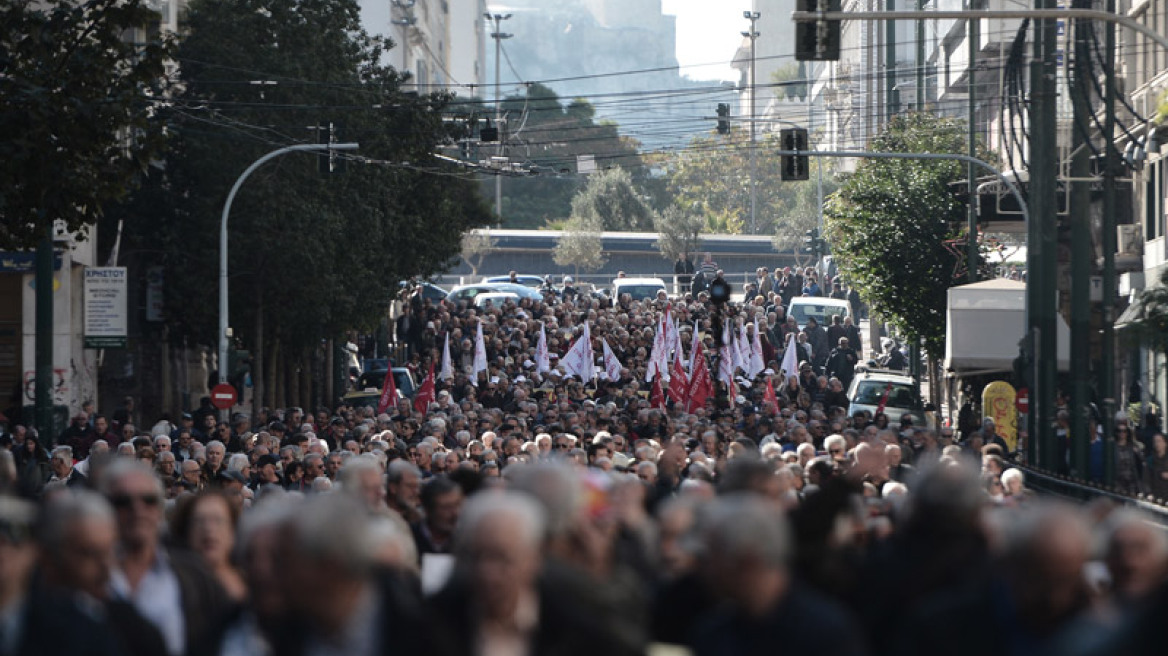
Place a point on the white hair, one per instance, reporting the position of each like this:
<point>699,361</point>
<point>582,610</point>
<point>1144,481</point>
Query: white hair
<point>489,507</point>
<point>67,510</point>
<point>322,484</point>
<point>237,462</point>
<point>893,489</point>
<point>1012,474</point>
<point>835,440</point>
<point>740,525</point>
<point>66,451</point>
<point>335,528</point>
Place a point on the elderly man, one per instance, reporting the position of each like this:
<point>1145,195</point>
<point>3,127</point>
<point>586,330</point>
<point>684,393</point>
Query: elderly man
<point>495,603</point>
<point>171,589</point>
<point>61,464</point>
<point>441,500</point>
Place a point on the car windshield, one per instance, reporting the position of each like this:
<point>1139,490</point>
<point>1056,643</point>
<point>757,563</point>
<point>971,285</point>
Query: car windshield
<point>639,292</point>
<point>822,313</point>
<point>376,379</point>
<point>900,395</point>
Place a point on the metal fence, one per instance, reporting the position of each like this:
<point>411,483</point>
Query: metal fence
<point>1074,489</point>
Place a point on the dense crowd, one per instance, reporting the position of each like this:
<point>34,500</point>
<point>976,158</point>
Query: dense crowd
<point>511,509</point>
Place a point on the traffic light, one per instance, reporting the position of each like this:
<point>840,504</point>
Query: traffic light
<point>489,133</point>
<point>814,245</point>
<point>793,167</point>
<point>818,40</point>
<point>723,118</point>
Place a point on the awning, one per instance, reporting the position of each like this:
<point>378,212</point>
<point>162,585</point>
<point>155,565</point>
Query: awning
<point>1133,313</point>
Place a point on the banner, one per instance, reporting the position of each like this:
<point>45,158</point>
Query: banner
<point>388,393</point>
<point>997,403</point>
<point>480,356</point>
<point>447,371</point>
<point>425,395</point>
<point>106,309</point>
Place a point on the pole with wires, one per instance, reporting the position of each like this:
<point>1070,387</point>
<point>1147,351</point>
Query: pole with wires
<point>753,17</point>
<point>498,36</point>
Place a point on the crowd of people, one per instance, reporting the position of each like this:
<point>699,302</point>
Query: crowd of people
<point>516,510</point>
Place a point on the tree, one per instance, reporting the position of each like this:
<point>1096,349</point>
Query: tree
<point>791,80</point>
<point>802,215</point>
<point>312,253</point>
<point>76,106</point>
<point>711,178</point>
<point>1150,330</point>
<point>678,233</point>
<point>547,135</point>
<point>888,223</point>
<point>610,201</point>
<point>580,246</point>
<point>477,244</point>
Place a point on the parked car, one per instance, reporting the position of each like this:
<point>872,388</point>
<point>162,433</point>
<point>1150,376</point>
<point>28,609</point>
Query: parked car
<point>823,309</point>
<point>469,292</point>
<point>639,288</point>
<point>374,378</point>
<point>870,386</point>
<point>527,281</point>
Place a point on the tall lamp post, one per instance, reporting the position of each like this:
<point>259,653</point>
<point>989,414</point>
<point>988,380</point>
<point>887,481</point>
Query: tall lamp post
<point>753,17</point>
<point>224,331</point>
<point>498,36</point>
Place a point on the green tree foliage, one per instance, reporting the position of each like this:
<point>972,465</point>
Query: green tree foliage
<point>547,136</point>
<point>610,201</point>
<point>678,233</point>
<point>76,99</point>
<point>711,178</point>
<point>580,246</point>
<point>792,78</point>
<point>888,223</point>
<point>802,213</point>
<point>477,244</point>
<point>1151,329</point>
<point>315,253</point>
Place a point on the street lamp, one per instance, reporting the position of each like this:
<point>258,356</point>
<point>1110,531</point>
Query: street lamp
<point>224,330</point>
<point>498,36</point>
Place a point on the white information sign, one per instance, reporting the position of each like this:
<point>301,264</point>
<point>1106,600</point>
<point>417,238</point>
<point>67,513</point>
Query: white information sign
<point>106,307</point>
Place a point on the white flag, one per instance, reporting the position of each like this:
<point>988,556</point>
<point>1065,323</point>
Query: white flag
<point>480,356</point>
<point>612,366</point>
<point>742,350</point>
<point>757,364</point>
<point>447,370</point>
<point>726,358</point>
<point>579,360</point>
<point>659,356</point>
<point>790,364</point>
<point>542,362</point>
<point>695,348</point>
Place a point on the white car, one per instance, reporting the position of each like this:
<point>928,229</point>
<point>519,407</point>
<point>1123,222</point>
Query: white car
<point>639,288</point>
<point>820,307</point>
<point>900,394</point>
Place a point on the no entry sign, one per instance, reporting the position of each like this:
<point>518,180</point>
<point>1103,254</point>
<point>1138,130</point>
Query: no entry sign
<point>223,396</point>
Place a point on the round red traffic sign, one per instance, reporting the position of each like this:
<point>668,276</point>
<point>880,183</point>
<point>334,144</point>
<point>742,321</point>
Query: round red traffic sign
<point>1022,400</point>
<point>223,396</point>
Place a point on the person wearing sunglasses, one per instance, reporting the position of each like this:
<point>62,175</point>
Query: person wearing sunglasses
<point>170,589</point>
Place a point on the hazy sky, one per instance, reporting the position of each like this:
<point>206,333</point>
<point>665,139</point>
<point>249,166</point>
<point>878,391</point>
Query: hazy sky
<point>708,32</point>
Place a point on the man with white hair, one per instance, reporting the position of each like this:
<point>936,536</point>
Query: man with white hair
<point>61,464</point>
<point>496,602</point>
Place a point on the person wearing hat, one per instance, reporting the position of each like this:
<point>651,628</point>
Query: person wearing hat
<point>267,472</point>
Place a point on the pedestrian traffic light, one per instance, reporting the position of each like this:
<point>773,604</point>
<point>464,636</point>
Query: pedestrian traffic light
<point>723,118</point>
<point>818,40</point>
<point>793,166</point>
<point>813,244</point>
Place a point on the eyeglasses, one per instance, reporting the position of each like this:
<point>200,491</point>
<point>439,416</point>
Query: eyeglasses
<point>124,501</point>
<point>561,446</point>
<point>835,451</point>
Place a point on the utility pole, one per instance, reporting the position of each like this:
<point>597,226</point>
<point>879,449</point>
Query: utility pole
<point>921,59</point>
<point>1110,161</point>
<point>1041,262</point>
<point>753,17</point>
<point>893,96</point>
<point>971,254</point>
<point>498,36</point>
<point>1080,217</point>
<point>43,358</point>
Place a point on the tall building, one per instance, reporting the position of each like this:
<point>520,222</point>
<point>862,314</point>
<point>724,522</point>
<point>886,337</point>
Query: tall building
<point>440,43</point>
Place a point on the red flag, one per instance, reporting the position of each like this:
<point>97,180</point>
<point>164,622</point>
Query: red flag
<point>884,399</point>
<point>770,398</point>
<point>678,382</point>
<point>388,393</point>
<point>425,395</point>
<point>656,397</point>
<point>701,386</point>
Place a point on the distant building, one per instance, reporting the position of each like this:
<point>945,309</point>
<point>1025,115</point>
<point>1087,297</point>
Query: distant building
<point>440,43</point>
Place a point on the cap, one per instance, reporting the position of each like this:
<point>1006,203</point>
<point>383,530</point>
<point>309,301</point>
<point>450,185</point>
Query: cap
<point>187,415</point>
<point>228,475</point>
<point>267,459</point>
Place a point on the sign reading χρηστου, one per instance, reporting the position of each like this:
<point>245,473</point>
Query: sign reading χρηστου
<point>106,308</point>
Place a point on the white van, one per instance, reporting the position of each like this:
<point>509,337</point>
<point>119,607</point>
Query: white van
<point>820,307</point>
<point>639,288</point>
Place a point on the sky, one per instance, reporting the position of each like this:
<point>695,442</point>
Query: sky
<point>708,32</point>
